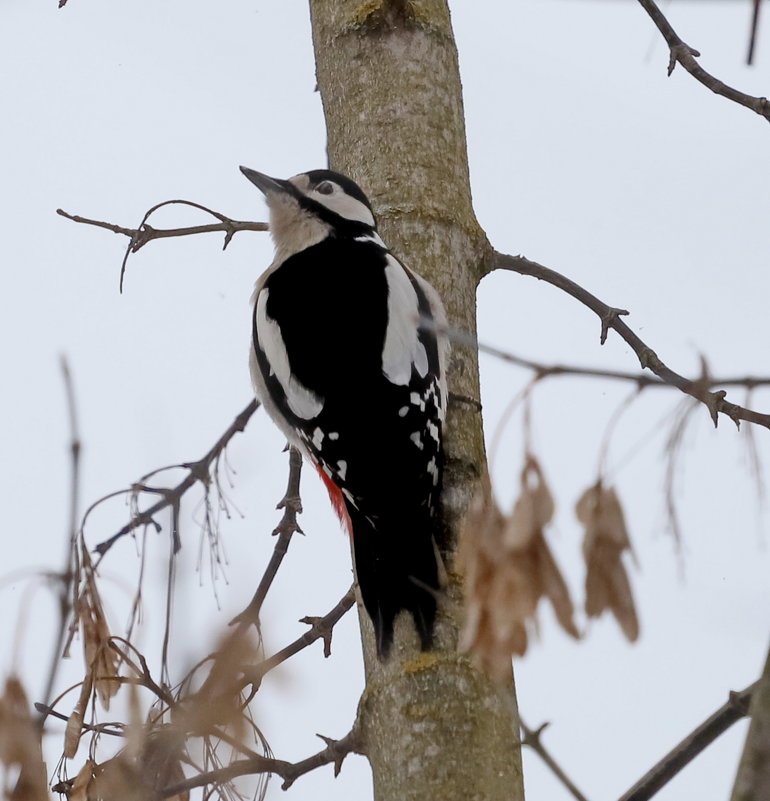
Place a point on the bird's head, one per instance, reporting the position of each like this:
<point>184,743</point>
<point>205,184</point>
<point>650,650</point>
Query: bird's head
<point>307,208</point>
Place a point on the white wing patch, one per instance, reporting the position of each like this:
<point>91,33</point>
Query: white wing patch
<point>372,237</point>
<point>300,399</point>
<point>402,349</point>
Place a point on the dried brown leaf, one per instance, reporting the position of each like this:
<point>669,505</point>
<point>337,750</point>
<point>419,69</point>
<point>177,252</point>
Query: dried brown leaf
<point>162,757</point>
<point>118,779</point>
<point>100,659</point>
<point>533,509</point>
<point>75,721</point>
<point>600,512</point>
<point>218,702</point>
<point>20,745</point>
<point>72,732</point>
<point>606,537</point>
<point>555,589</point>
<point>83,782</point>
<point>508,568</point>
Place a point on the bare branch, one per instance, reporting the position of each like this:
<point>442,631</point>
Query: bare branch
<point>145,233</point>
<point>736,707</point>
<point>714,401</point>
<point>321,628</point>
<point>686,56</point>
<point>532,739</point>
<point>291,503</point>
<point>642,380</point>
<point>198,472</point>
<point>334,753</point>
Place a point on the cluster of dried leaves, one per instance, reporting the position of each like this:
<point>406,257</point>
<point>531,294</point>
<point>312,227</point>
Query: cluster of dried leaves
<point>169,736</point>
<point>187,725</point>
<point>508,568</point>
<point>158,744</point>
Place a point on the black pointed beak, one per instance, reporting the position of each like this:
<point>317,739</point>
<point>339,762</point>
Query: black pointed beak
<point>265,183</point>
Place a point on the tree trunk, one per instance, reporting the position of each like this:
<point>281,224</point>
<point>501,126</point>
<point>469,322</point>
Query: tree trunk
<point>434,727</point>
<point>753,780</point>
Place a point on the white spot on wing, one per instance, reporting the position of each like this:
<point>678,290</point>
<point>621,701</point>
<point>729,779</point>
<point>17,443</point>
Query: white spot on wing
<point>372,237</point>
<point>342,469</point>
<point>403,411</point>
<point>417,439</point>
<point>433,470</point>
<point>334,435</point>
<point>318,438</point>
<point>433,431</point>
<point>349,495</point>
<point>300,399</point>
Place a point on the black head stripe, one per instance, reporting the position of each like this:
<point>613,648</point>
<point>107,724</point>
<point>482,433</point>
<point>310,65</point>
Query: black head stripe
<point>350,187</point>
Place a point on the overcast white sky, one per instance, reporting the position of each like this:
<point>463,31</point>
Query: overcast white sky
<point>649,191</point>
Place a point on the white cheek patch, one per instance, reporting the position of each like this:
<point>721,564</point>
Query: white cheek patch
<point>301,401</point>
<point>345,205</point>
<point>403,349</point>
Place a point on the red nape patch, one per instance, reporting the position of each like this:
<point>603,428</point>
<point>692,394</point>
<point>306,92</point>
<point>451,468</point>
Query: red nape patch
<point>338,502</point>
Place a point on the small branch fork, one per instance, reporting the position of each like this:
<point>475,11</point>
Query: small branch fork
<point>715,401</point>
<point>199,471</point>
<point>735,708</point>
<point>320,629</point>
<point>532,739</point>
<point>686,56</point>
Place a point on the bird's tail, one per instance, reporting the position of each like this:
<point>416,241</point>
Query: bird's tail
<point>397,568</point>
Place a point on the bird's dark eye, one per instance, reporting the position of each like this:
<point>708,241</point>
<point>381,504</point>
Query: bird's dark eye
<point>325,188</point>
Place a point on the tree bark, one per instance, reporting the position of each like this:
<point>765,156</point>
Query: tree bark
<point>433,726</point>
<point>753,780</point>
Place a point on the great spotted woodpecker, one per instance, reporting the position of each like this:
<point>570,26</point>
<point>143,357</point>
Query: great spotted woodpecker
<point>348,358</point>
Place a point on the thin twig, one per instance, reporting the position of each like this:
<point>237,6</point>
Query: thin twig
<point>753,33</point>
<point>68,578</point>
<point>715,402</point>
<point>198,471</point>
<point>681,53</point>
<point>642,380</point>
<point>736,707</point>
<point>114,729</point>
<point>334,753</point>
<point>532,739</point>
